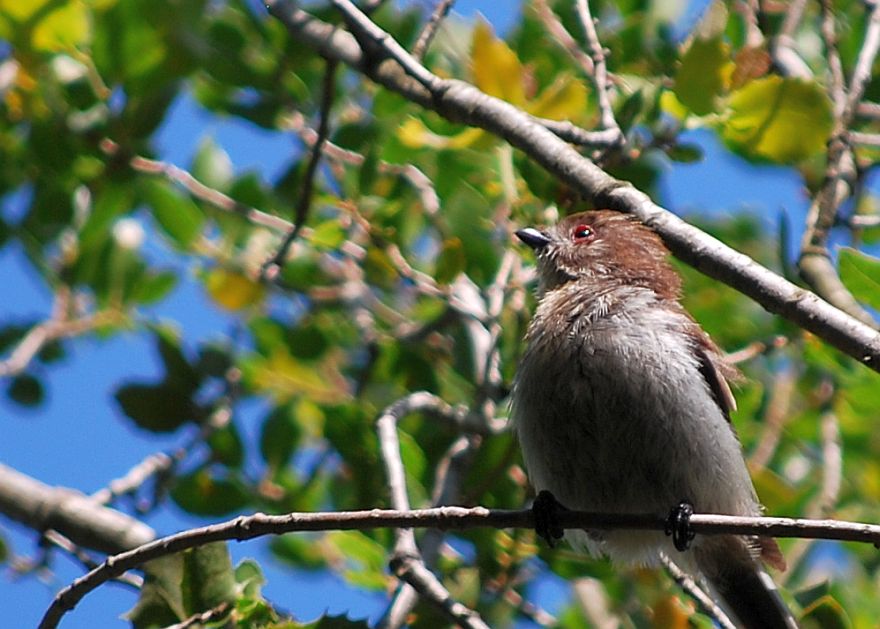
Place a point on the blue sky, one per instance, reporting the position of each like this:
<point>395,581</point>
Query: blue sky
<point>77,438</point>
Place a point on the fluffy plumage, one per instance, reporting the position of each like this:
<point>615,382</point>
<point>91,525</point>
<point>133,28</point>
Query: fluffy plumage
<point>621,404</point>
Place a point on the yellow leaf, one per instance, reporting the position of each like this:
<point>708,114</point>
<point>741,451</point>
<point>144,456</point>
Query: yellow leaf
<point>19,10</point>
<point>283,376</point>
<point>670,104</point>
<point>233,290</point>
<point>778,119</point>
<point>414,134</point>
<point>565,99</point>
<point>496,69</point>
<point>64,28</point>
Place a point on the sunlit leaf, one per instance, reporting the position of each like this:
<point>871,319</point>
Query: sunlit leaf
<point>365,558</point>
<point>177,215</point>
<point>564,99</point>
<point>283,376</point>
<point>778,119</point>
<point>861,275</point>
<point>495,67</point>
<point>212,165</point>
<point>703,75</point>
<point>233,290</point>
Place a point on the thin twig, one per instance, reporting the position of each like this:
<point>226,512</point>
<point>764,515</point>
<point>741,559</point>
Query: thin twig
<point>304,201</point>
<point>361,25</point>
<point>687,583</point>
<point>865,139</point>
<point>777,414</point>
<point>430,29</point>
<point>782,46</point>
<point>600,74</point>
<point>257,525</point>
<point>562,37</point>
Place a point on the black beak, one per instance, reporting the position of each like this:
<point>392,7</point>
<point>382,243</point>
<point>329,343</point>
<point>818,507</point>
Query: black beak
<point>533,238</point>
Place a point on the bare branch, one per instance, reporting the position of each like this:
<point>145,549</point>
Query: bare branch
<point>782,48</point>
<point>687,583</point>
<point>600,74</point>
<point>76,516</point>
<point>841,174</point>
<point>407,562</point>
<point>430,29</point>
<point>777,414</point>
<point>57,327</point>
<point>304,202</point>
<point>447,518</point>
<point>562,37</point>
<point>461,102</point>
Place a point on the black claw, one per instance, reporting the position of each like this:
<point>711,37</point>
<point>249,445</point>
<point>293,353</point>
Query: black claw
<point>679,525</point>
<point>546,511</point>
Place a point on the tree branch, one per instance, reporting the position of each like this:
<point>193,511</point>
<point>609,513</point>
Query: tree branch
<point>446,518</point>
<point>76,516</point>
<point>461,102</point>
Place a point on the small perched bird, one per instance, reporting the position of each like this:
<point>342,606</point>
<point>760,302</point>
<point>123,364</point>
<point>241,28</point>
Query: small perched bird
<point>622,405</point>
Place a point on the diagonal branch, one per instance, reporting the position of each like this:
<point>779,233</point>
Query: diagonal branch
<point>430,29</point>
<point>304,202</point>
<point>461,102</point>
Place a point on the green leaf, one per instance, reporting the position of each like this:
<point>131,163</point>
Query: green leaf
<point>177,215</point>
<point>212,166</point>
<point>156,407</point>
<point>365,558</point>
<point>825,613</point>
<point>279,437</point>
<point>702,76</point>
<point>327,235</point>
<point>861,275</point>
<point>336,622</point>
<point>226,446</point>
<point>777,119</point>
<point>451,261</point>
<point>179,373</point>
<point>685,153</point>
<point>201,493</point>
<point>249,578</point>
<point>26,390</point>
<point>111,202</point>
<point>208,578</point>
<point>161,599</point>
<point>153,287</point>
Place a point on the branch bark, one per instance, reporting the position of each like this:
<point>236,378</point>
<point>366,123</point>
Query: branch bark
<point>461,102</point>
<point>446,518</point>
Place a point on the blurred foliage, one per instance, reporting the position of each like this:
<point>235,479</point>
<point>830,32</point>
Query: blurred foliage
<point>386,292</point>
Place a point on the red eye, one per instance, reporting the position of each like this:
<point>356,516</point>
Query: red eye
<point>582,232</point>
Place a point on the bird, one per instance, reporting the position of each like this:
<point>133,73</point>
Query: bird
<point>621,403</point>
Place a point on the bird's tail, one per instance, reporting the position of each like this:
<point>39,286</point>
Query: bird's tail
<point>746,589</point>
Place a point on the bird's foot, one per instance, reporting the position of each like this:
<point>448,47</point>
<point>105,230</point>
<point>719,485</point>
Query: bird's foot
<point>546,511</point>
<point>678,525</point>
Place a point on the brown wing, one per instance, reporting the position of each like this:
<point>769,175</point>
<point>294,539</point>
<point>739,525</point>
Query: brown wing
<point>715,372</point>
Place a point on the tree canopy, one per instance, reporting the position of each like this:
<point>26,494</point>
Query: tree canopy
<point>377,302</point>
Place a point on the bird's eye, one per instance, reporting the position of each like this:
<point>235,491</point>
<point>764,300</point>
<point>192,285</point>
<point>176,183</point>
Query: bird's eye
<point>582,232</point>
